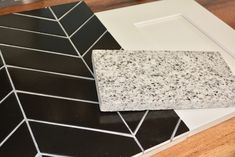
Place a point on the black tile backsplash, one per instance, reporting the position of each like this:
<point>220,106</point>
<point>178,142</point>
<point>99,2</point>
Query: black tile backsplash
<point>88,34</point>
<point>54,84</point>
<point>5,86</point>
<point>79,14</point>
<point>1,63</point>
<point>31,24</point>
<point>78,142</point>
<point>19,144</point>
<point>70,112</point>
<point>105,42</point>
<point>181,129</point>
<point>60,10</point>
<point>61,121</point>
<point>157,128</point>
<point>132,118</point>
<point>10,116</point>
<point>36,41</point>
<point>43,13</point>
<point>51,62</point>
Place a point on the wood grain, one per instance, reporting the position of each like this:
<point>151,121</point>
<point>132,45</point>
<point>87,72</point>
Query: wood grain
<point>218,141</point>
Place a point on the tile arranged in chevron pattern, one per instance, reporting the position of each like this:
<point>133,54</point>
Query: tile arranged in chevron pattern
<point>48,100</point>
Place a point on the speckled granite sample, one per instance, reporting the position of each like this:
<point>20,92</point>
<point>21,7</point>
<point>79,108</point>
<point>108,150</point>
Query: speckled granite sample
<point>153,80</point>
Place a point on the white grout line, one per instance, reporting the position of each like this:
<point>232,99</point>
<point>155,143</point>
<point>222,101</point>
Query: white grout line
<point>69,10</point>
<point>175,130</point>
<point>1,68</point>
<point>54,155</point>
<point>123,120</point>
<point>39,50</point>
<point>38,155</point>
<point>138,143</point>
<point>19,103</point>
<point>50,72</point>
<point>81,128</point>
<point>57,97</point>
<point>136,140</point>
<point>3,99</point>
<point>35,32</point>
<point>81,26</point>
<point>36,17</point>
<point>11,133</point>
<point>141,121</point>
<point>71,41</point>
<point>94,43</point>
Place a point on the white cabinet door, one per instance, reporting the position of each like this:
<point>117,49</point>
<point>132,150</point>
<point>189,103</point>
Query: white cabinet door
<point>175,25</point>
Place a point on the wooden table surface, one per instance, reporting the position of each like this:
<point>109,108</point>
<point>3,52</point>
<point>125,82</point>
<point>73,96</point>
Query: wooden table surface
<point>218,141</point>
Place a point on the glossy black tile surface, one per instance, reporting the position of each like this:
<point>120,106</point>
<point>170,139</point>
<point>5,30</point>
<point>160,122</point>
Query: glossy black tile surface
<point>54,84</point>
<point>1,63</point>
<point>31,24</point>
<point>36,41</point>
<point>60,10</point>
<point>53,139</point>
<point>79,14</point>
<point>182,129</point>
<point>70,112</point>
<point>101,133</point>
<point>10,116</point>
<point>19,144</point>
<point>44,61</point>
<point>5,86</point>
<point>43,13</point>
<point>157,128</point>
<point>106,42</point>
<point>132,118</point>
<point>88,34</point>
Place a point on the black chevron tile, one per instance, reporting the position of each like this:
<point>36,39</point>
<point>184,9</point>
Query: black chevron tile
<point>77,142</point>
<point>44,13</point>
<point>1,63</point>
<point>31,24</point>
<point>88,34</point>
<point>5,86</point>
<point>181,129</point>
<point>44,61</point>
<point>74,19</point>
<point>19,144</point>
<point>106,42</point>
<point>133,118</point>
<point>54,84</point>
<point>60,10</point>
<point>157,128</point>
<point>10,116</point>
<point>36,41</point>
<point>70,112</point>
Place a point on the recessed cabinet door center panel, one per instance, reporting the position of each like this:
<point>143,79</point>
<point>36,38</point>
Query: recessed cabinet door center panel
<point>173,33</point>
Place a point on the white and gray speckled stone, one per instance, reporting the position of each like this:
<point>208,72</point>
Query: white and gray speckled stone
<point>155,80</point>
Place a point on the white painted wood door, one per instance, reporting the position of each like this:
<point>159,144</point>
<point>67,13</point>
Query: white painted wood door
<point>175,25</point>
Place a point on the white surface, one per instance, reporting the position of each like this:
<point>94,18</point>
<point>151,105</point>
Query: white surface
<point>175,25</point>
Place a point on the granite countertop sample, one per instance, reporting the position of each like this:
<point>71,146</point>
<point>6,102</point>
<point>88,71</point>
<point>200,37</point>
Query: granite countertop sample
<point>155,80</point>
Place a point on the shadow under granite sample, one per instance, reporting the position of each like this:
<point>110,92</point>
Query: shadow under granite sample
<point>153,80</point>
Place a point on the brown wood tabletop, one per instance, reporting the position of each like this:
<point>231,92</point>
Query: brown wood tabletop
<point>218,141</point>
